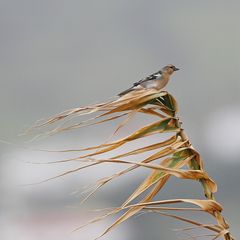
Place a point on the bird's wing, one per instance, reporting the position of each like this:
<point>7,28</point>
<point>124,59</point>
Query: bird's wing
<point>148,78</point>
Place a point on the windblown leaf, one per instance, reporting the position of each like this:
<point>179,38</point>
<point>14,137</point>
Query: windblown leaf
<point>207,205</point>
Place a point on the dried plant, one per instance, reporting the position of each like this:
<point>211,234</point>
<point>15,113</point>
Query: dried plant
<point>176,154</point>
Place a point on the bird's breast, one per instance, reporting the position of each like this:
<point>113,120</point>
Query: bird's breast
<point>161,83</point>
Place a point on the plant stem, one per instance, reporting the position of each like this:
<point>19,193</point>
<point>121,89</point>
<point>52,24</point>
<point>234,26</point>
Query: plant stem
<point>194,164</point>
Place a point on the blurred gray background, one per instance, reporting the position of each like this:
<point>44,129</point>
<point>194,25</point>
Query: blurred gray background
<point>58,54</point>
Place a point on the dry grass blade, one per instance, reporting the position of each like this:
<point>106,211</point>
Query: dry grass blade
<point>97,219</point>
<point>155,209</point>
<point>206,205</point>
<point>66,173</point>
<point>209,227</point>
<point>167,142</point>
<point>86,123</point>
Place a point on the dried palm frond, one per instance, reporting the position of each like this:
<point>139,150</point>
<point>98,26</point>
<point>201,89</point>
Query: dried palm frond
<point>174,154</point>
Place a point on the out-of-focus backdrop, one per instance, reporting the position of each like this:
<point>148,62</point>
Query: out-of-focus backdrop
<point>56,55</point>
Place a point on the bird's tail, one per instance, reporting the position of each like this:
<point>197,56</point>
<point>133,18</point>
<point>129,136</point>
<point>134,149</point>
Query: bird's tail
<point>125,92</point>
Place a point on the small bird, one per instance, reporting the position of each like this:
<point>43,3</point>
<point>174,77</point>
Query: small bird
<point>156,80</point>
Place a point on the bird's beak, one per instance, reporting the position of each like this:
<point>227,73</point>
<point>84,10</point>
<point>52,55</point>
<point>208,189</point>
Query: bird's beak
<point>176,69</point>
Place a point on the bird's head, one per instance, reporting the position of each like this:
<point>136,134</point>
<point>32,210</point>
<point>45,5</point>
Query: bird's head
<point>169,69</point>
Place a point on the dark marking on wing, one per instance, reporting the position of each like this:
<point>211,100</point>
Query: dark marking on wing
<point>149,78</point>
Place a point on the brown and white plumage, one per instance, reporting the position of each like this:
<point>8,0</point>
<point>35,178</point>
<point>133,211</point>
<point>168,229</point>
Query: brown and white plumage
<point>156,80</point>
